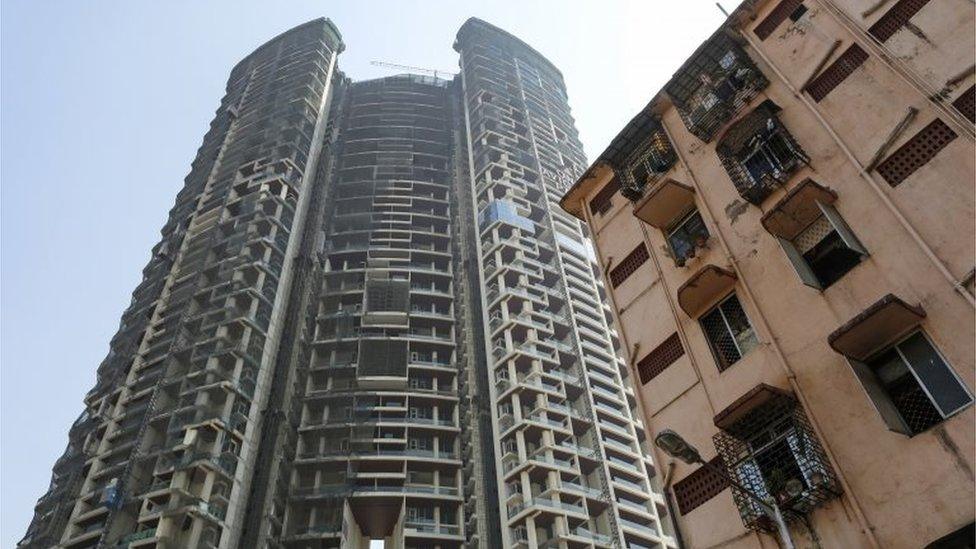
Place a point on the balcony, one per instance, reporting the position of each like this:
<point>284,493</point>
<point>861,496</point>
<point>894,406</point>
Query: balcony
<point>716,82</point>
<point>768,446</point>
<point>759,154</point>
<point>650,157</point>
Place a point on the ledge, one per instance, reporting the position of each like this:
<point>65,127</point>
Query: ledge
<point>704,288</point>
<point>664,203</point>
<point>875,328</point>
<point>795,211</point>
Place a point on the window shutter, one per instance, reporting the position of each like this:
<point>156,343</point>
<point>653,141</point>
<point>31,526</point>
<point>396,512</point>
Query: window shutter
<point>877,395</point>
<point>935,375</point>
<point>842,229</point>
<point>800,265</point>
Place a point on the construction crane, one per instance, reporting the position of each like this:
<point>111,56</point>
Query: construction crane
<point>395,66</point>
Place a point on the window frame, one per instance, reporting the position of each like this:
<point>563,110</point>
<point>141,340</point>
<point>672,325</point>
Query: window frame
<point>675,227</point>
<point>780,169</point>
<point>800,264</point>
<point>729,331</point>
<point>878,394</point>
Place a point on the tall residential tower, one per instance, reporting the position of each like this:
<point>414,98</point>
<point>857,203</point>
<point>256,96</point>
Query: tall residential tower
<point>367,319</point>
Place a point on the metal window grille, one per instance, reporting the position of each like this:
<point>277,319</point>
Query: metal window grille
<point>660,358</point>
<point>779,14</point>
<point>916,152</point>
<point>713,85</point>
<point>700,486</point>
<point>921,386</point>
<point>601,203</point>
<point>629,264</point>
<point>647,163</point>
<point>728,331</point>
<point>775,453</point>
<point>759,154</point>
<point>837,72</point>
<point>966,104</point>
<point>687,235</point>
<point>913,404</point>
<point>895,18</point>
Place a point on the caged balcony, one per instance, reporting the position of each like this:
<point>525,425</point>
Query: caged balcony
<point>769,446</point>
<point>759,154</point>
<point>651,157</point>
<point>716,82</point>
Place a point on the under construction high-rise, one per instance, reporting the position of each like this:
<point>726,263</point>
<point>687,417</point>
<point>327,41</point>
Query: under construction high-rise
<point>367,319</point>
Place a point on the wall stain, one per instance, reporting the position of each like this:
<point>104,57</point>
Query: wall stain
<point>953,450</point>
<point>734,209</point>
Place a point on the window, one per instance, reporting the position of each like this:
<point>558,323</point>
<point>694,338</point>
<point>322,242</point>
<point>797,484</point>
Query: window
<point>770,156</point>
<point>713,85</point>
<point>916,152</point>
<point>420,514</point>
<point>420,383</point>
<point>728,331</point>
<point>759,154</point>
<point>773,451</point>
<point>660,358</point>
<point>824,251</point>
<point>647,163</point>
<point>687,235</point>
<point>837,72</point>
<point>419,413</point>
<point>912,386</point>
<point>420,444</point>
<point>629,264</point>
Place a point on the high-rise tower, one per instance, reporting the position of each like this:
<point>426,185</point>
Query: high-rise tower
<point>570,460</point>
<point>165,447</point>
<point>367,319</point>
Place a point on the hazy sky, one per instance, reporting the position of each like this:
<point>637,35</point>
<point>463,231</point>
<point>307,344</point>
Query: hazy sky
<point>105,103</point>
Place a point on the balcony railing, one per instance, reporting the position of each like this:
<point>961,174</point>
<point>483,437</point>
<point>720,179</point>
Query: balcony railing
<point>716,82</point>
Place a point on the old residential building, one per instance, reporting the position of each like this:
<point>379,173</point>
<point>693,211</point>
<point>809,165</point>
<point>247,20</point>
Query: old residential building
<point>367,319</point>
<point>786,233</point>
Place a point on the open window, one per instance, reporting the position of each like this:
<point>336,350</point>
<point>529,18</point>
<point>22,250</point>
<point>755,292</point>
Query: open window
<point>716,82</point>
<point>905,377</point>
<point>759,154</point>
<point>816,239</point>
<point>652,157</point>
<point>728,330</point>
<point>769,446</point>
<point>686,236</point>
<point>912,386</point>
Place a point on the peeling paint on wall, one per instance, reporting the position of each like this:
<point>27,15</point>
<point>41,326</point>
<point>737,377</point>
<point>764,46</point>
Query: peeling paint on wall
<point>734,209</point>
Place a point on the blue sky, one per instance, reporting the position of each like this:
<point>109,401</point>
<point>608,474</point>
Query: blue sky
<point>104,104</point>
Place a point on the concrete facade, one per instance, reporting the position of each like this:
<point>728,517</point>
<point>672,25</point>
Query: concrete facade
<point>850,148</point>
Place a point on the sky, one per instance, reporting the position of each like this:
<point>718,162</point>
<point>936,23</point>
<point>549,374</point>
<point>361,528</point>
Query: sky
<point>104,103</point>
